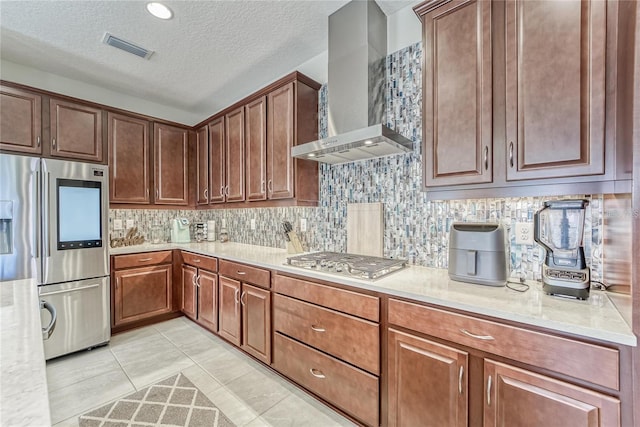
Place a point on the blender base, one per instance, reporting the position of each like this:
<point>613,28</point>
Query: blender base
<point>562,291</point>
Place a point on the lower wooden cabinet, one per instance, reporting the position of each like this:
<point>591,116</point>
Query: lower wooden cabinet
<point>142,293</point>
<point>245,317</point>
<point>200,289</point>
<point>517,397</point>
<point>427,382</point>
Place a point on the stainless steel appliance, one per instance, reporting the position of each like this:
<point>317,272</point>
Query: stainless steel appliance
<point>356,266</point>
<point>558,228</point>
<point>478,254</point>
<point>54,229</point>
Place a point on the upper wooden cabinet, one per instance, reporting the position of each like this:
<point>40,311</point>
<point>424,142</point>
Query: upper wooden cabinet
<point>202,166</point>
<point>76,131</point>
<point>216,164</point>
<point>128,159</point>
<point>20,120</point>
<point>250,143</point>
<point>555,88</point>
<point>171,147</point>
<point>528,100</point>
<point>256,147</point>
<point>457,99</point>
<point>234,155</point>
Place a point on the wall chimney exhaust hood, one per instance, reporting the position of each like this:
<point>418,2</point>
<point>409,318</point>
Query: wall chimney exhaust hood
<point>357,55</point>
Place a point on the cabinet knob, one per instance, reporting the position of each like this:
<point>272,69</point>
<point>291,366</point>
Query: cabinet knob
<point>511,154</point>
<point>317,373</point>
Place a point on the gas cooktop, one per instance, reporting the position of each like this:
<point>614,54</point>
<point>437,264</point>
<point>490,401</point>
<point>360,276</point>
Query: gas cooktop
<point>358,266</point>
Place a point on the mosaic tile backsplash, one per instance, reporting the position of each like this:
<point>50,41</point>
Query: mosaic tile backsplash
<point>415,228</point>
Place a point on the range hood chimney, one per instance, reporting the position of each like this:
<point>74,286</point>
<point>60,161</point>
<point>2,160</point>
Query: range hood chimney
<point>357,55</point>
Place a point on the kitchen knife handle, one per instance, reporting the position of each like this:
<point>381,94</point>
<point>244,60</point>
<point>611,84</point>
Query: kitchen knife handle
<point>511,154</point>
<point>46,332</point>
<point>460,379</point>
<point>479,337</point>
<point>489,391</point>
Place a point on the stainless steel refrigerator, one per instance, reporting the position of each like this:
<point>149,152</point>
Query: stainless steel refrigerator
<point>53,228</point>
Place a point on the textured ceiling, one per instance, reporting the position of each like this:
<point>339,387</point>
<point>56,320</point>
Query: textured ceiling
<point>211,53</point>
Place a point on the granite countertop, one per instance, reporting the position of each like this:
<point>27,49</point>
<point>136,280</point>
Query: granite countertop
<point>598,317</point>
<point>23,383</point>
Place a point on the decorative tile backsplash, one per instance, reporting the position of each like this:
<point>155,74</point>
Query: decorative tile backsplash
<point>415,228</point>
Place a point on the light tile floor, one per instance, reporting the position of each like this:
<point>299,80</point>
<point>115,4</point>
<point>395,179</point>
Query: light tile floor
<point>247,392</point>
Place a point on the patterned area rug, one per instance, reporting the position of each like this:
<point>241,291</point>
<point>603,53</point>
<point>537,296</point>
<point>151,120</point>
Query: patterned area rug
<point>172,402</point>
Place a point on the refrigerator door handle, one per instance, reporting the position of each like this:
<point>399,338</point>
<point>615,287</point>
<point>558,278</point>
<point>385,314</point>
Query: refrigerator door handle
<point>38,202</point>
<point>46,332</point>
<point>66,291</point>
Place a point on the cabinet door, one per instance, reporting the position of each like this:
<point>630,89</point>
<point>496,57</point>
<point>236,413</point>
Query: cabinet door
<point>189,291</point>
<point>128,159</point>
<point>555,88</point>
<point>202,166</point>
<point>76,131</point>
<point>20,121</point>
<point>256,146</point>
<point>280,140</point>
<point>141,293</point>
<point>208,299</point>
<point>515,397</point>
<point>457,94</point>
<point>216,161</point>
<point>234,155</point>
<point>229,325</point>
<point>256,322</point>
<point>170,147</point>
<point>427,382</point>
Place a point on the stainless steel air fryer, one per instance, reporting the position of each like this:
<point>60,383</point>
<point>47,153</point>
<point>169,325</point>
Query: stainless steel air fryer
<point>558,228</point>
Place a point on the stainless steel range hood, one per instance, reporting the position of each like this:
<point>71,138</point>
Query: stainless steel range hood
<point>356,90</point>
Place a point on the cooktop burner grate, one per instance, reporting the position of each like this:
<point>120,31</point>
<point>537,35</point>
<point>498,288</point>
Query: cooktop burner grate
<point>360,266</point>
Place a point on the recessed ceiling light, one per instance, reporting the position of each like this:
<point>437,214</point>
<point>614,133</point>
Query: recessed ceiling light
<point>311,155</point>
<point>159,10</point>
<point>368,142</point>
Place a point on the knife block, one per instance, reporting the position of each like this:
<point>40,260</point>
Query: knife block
<point>293,245</point>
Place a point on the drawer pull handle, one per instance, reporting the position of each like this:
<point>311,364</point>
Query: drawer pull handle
<point>243,301</point>
<point>317,329</point>
<point>460,379</point>
<point>241,273</point>
<point>480,337</point>
<point>317,373</point>
<point>196,260</point>
<point>145,259</point>
<point>511,154</point>
<point>489,391</point>
<point>236,296</point>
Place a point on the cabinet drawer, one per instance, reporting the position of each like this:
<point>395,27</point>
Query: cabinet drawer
<point>244,273</point>
<point>351,339</point>
<point>360,305</point>
<point>599,365</point>
<point>141,259</point>
<point>200,261</point>
<point>348,388</point>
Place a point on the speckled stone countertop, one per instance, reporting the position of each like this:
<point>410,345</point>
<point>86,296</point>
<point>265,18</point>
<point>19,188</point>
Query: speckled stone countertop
<point>596,318</point>
<point>23,379</point>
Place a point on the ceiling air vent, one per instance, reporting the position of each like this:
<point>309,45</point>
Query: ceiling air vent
<point>114,41</point>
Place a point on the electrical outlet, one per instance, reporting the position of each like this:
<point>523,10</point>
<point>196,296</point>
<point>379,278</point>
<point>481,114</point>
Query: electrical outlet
<point>117,224</point>
<point>524,233</point>
<point>303,224</point>
<point>253,223</point>
<point>130,224</point>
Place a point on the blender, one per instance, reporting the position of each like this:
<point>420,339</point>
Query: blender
<point>558,228</point>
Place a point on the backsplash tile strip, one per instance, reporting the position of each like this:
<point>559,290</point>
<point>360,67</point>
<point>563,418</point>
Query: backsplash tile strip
<point>415,228</point>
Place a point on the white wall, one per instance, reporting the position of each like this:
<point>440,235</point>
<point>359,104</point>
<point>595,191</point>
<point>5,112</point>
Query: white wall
<point>29,76</point>
<point>403,28</point>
